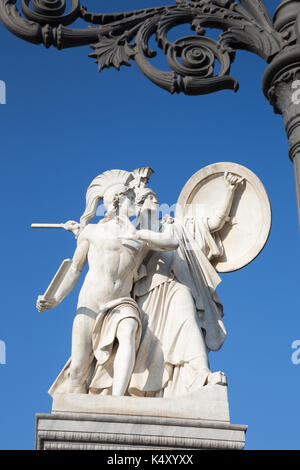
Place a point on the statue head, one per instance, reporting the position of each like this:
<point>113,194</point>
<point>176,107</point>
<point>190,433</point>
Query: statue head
<point>119,200</point>
<point>111,187</point>
<point>146,203</point>
<point>146,199</point>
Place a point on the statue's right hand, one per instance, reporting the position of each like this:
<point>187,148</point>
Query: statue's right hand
<point>72,226</point>
<point>43,304</point>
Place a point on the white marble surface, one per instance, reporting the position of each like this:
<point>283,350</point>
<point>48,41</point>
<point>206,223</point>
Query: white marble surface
<point>149,288</point>
<point>207,403</point>
<point>249,222</point>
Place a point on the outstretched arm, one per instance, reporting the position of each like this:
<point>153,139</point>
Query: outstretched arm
<point>217,220</point>
<point>70,280</point>
<point>157,241</point>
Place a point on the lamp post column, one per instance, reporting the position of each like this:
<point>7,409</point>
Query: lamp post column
<point>281,81</point>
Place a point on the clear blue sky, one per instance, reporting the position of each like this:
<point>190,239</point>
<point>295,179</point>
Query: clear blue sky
<point>63,124</point>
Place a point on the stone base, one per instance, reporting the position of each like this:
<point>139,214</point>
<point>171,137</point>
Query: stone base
<point>207,403</point>
<point>199,420</point>
<point>79,431</point>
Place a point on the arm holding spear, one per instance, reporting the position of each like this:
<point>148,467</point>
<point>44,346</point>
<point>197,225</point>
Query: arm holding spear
<point>70,225</point>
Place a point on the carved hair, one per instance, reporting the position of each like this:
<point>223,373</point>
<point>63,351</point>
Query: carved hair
<point>112,209</point>
<point>109,185</point>
<point>142,194</point>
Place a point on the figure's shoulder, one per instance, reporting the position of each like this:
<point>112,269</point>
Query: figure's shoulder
<point>87,232</point>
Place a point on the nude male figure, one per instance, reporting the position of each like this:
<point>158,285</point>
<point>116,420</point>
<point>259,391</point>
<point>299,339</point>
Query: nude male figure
<point>112,265</point>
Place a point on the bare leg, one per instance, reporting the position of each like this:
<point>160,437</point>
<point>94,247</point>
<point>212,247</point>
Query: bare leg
<point>82,352</point>
<point>125,356</point>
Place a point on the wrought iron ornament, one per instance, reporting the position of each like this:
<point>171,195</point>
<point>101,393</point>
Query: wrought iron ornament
<point>117,38</point>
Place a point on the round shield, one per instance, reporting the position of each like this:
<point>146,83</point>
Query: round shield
<point>246,231</point>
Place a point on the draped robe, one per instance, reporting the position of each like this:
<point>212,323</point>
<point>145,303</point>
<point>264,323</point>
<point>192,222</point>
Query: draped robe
<point>177,299</point>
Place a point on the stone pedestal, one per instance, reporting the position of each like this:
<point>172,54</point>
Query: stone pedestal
<point>199,420</point>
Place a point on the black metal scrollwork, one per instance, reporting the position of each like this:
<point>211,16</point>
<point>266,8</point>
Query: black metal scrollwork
<point>50,11</point>
<point>192,59</point>
<point>117,38</point>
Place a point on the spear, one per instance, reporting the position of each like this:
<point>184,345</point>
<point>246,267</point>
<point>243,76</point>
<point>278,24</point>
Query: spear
<point>47,225</point>
<point>71,226</point>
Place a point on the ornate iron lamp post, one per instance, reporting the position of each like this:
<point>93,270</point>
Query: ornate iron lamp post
<point>118,38</point>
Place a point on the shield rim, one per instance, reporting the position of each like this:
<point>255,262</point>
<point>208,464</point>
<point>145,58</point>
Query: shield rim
<point>252,178</point>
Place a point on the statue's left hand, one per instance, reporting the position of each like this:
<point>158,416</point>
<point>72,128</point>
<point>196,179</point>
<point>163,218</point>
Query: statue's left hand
<point>43,304</point>
<point>232,181</point>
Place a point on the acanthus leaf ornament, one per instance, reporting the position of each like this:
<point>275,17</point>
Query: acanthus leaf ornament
<point>117,38</point>
<point>112,52</point>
